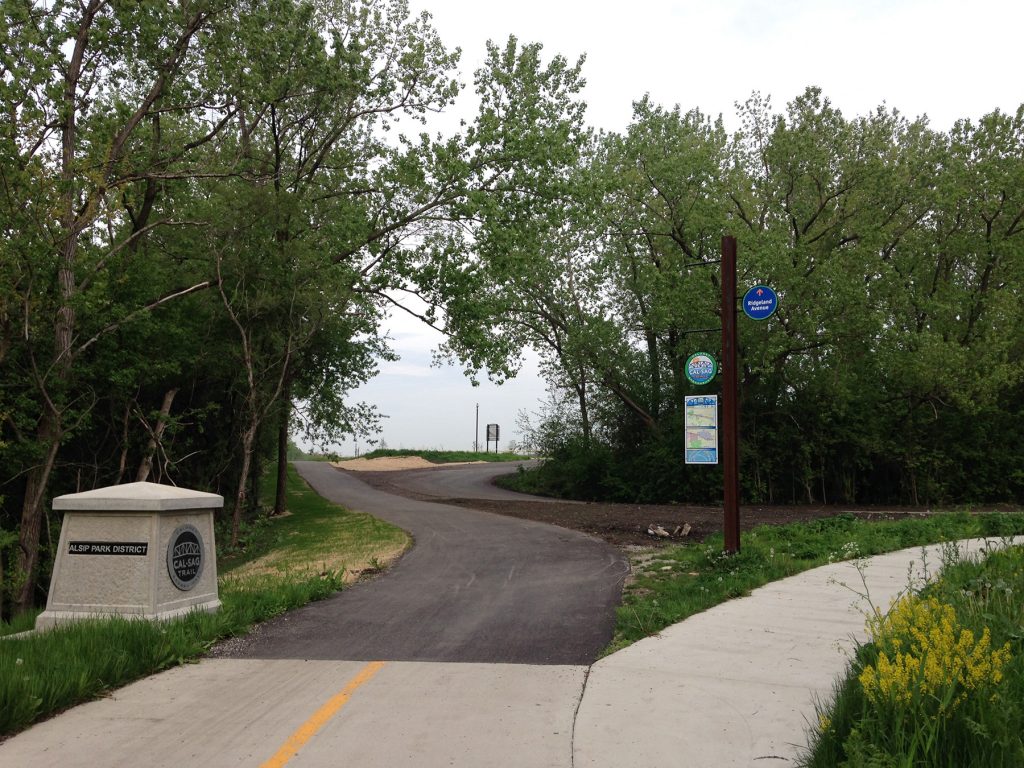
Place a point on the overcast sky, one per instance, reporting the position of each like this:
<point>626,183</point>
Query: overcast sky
<point>948,59</point>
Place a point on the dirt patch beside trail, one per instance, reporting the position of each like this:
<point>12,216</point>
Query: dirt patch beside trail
<point>627,524</point>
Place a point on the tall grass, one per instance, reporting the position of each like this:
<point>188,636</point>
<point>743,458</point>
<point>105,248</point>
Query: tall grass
<point>44,673</point>
<point>50,671</point>
<point>941,682</point>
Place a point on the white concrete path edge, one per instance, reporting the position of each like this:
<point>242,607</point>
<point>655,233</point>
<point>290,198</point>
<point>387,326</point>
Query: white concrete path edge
<point>737,684</point>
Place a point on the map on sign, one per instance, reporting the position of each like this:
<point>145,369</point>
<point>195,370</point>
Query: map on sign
<point>701,429</point>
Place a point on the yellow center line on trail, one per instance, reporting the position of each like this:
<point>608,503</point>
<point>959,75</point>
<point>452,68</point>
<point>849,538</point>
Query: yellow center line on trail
<point>319,719</point>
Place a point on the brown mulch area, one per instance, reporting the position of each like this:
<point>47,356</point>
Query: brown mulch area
<point>627,524</point>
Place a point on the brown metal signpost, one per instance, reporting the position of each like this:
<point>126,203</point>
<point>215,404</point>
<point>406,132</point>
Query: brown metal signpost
<point>730,399</point>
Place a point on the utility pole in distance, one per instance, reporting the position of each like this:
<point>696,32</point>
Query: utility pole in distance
<point>730,399</point>
<point>476,434</point>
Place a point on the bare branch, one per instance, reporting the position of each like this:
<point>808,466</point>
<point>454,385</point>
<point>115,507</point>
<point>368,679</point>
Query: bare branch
<point>142,310</point>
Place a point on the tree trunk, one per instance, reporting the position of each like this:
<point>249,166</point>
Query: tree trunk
<point>32,511</point>
<point>677,363</point>
<point>627,399</point>
<point>581,392</point>
<point>50,426</point>
<point>146,465</point>
<point>122,465</point>
<point>281,499</point>
<point>255,479</point>
<point>654,372</point>
<point>913,487</point>
<point>248,440</point>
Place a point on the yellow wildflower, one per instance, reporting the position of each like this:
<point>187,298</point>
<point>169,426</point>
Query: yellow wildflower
<point>923,652</point>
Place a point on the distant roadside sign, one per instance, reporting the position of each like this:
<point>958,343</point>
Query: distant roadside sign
<point>701,368</point>
<point>492,432</point>
<point>760,302</point>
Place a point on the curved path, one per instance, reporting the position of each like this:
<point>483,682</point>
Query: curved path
<point>731,687</point>
<point>463,481</point>
<point>475,587</point>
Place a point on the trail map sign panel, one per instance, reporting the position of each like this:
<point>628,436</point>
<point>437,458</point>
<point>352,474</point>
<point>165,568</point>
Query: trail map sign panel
<point>701,428</point>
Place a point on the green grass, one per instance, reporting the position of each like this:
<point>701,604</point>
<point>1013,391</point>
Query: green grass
<point>21,623</point>
<point>677,582</point>
<point>937,718</point>
<point>446,457</point>
<point>299,456</point>
<point>316,534</point>
<point>524,481</point>
<point>48,672</point>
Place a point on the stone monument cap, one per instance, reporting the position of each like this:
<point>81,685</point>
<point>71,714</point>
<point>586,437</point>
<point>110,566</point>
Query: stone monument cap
<point>138,497</point>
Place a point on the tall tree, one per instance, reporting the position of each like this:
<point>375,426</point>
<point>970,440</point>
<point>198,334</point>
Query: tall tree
<point>87,88</point>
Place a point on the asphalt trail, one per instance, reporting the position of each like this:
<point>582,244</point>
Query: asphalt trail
<point>463,481</point>
<point>476,587</point>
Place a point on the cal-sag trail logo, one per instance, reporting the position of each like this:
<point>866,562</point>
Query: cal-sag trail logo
<point>185,556</point>
<point>701,368</point>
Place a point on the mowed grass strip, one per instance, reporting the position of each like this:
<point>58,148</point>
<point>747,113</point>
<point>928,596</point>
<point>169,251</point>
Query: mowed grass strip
<point>317,536</point>
<point>302,557</point>
<point>445,457</point>
<point>670,584</point>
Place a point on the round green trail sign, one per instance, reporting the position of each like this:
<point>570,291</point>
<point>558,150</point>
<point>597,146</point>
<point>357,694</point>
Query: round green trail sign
<point>701,368</point>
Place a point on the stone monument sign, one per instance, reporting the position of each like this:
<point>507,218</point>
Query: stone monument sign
<point>138,550</point>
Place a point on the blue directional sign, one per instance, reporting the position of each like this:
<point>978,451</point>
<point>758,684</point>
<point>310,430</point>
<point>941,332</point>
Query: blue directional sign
<point>760,302</point>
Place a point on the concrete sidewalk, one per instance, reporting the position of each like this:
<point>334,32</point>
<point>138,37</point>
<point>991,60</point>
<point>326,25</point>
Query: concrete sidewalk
<point>736,685</point>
